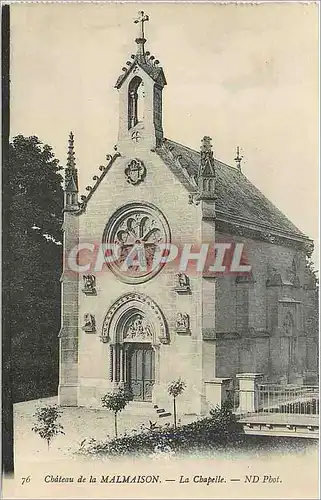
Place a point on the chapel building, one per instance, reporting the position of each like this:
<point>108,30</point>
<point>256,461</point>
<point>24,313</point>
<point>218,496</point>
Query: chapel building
<point>143,327</point>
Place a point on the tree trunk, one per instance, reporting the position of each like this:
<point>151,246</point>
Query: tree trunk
<point>48,443</point>
<point>116,434</point>
<point>174,404</point>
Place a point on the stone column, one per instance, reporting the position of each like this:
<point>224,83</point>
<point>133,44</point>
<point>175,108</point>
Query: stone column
<point>115,363</point>
<point>121,364</point>
<point>111,362</point>
<point>68,335</point>
<point>125,363</point>
<point>216,391</point>
<point>248,392</point>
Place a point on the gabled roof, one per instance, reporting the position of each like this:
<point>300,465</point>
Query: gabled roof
<point>148,64</point>
<point>236,197</point>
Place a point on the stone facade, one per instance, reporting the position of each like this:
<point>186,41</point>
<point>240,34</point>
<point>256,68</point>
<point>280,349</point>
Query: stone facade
<point>143,330</point>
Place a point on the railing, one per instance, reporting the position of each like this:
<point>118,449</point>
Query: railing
<point>273,398</point>
<point>300,400</point>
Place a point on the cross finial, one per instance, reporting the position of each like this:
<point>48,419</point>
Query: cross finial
<point>238,159</point>
<point>141,19</point>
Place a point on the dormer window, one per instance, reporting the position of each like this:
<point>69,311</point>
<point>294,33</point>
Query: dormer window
<point>135,102</point>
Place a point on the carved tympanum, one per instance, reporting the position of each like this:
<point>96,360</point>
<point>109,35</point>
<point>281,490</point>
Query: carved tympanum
<point>138,329</point>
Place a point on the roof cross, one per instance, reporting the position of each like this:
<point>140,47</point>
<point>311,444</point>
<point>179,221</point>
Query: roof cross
<point>141,19</point>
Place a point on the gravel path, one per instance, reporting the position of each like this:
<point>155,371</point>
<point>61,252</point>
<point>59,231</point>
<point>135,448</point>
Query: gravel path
<point>78,424</point>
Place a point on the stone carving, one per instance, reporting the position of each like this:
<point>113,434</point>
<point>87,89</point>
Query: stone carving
<point>182,323</point>
<point>139,329</point>
<point>182,283</point>
<point>270,238</point>
<point>135,136</point>
<point>137,300</point>
<point>308,248</point>
<point>89,284</point>
<point>194,199</point>
<point>89,323</point>
<point>135,172</point>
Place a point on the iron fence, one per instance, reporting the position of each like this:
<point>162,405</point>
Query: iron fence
<point>274,398</point>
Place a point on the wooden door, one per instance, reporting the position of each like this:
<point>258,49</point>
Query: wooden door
<point>141,372</point>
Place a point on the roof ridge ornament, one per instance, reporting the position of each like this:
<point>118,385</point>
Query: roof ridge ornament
<point>238,159</point>
<point>71,161</point>
<point>207,167</point>
<point>206,170</point>
<point>71,178</point>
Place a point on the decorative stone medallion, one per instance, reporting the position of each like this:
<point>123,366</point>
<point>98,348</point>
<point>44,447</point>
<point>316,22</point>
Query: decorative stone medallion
<point>135,172</point>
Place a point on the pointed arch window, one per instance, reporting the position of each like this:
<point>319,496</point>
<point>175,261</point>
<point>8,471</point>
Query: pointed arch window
<point>135,101</point>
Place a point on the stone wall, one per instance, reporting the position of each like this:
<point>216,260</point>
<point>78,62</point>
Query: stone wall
<point>250,330</point>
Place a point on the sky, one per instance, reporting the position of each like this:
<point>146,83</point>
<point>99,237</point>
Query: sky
<point>244,74</point>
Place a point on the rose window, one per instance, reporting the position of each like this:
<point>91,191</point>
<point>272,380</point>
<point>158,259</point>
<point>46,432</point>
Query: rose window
<point>136,231</point>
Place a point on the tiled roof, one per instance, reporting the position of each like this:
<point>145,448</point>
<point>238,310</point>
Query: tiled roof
<point>236,197</point>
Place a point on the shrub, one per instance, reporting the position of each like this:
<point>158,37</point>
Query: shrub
<point>176,388</point>
<point>115,401</point>
<point>210,432</point>
<point>46,423</point>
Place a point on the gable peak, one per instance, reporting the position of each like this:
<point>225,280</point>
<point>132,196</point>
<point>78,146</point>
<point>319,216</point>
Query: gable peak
<point>147,61</point>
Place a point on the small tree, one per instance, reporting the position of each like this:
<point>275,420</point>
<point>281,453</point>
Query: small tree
<point>46,423</point>
<point>115,401</point>
<point>176,388</point>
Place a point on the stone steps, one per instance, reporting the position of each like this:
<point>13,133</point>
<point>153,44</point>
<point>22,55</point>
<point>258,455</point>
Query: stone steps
<point>146,409</point>
<point>161,412</point>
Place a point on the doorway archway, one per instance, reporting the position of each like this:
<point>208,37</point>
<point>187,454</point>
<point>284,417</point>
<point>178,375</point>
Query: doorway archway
<point>135,328</point>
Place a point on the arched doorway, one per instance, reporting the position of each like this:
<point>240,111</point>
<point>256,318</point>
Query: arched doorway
<point>135,328</point>
<point>141,371</point>
<point>137,335</point>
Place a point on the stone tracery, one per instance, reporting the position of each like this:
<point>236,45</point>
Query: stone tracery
<point>137,229</point>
